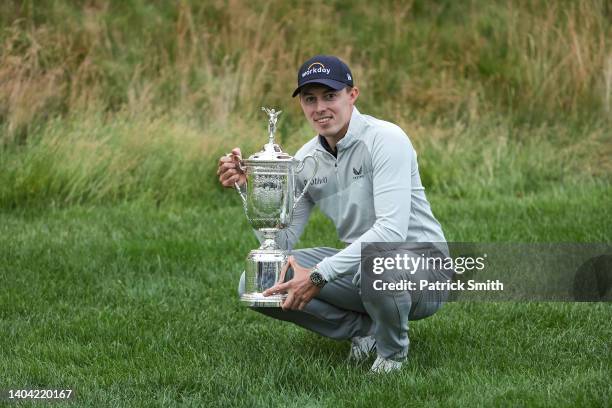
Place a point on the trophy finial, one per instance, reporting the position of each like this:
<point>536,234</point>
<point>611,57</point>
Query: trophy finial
<point>272,119</point>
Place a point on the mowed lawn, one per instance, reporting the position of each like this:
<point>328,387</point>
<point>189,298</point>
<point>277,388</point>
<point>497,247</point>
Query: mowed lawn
<point>136,305</point>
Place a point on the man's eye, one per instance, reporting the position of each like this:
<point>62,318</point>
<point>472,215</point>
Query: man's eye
<point>330,96</point>
<point>310,99</point>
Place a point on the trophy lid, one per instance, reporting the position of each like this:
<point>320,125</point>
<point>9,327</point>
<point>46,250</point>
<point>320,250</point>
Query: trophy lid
<point>271,151</point>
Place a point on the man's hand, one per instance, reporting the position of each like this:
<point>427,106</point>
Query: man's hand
<point>229,171</point>
<point>299,289</point>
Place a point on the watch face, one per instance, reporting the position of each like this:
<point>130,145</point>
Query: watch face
<point>317,279</point>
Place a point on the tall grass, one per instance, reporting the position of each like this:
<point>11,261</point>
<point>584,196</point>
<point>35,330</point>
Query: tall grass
<point>105,100</point>
<point>96,160</point>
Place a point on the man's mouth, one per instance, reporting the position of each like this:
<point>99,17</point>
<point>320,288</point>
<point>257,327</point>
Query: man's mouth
<point>323,120</point>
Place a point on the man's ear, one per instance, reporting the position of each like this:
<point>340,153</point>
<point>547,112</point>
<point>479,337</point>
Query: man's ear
<point>354,94</point>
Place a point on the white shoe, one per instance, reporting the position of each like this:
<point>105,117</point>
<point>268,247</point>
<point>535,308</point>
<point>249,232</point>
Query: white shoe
<point>362,347</point>
<point>383,365</point>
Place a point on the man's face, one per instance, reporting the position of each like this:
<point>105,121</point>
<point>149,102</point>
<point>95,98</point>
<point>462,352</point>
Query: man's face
<point>328,111</point>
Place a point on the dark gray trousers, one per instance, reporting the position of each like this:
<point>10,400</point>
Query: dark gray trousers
<point>340,312</point>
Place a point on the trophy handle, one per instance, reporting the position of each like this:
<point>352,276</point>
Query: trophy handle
<point>314,173</point>
<point>242,195</point>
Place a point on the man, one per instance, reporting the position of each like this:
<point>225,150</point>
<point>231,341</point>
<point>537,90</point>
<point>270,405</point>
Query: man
<point>368,184</point>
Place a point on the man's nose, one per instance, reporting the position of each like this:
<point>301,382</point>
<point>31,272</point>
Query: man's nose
<point>320,106</point>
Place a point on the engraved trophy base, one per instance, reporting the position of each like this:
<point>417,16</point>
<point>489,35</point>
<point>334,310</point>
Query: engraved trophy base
<point>257,299</point>
<point>263,270</point>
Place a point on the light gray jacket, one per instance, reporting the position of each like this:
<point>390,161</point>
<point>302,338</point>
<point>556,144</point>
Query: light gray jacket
<point>372,192</point>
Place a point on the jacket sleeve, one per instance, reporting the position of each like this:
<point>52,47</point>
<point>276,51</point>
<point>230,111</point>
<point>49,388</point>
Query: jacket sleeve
<point>393,162</point>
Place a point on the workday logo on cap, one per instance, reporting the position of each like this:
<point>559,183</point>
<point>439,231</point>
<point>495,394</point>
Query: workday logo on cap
<point>327,70</point>
<point>316,67</point>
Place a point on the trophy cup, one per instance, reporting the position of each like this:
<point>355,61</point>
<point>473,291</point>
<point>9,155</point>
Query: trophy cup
<point>269,202</point>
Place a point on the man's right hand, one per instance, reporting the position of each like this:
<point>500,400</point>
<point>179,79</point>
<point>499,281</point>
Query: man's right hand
<point>229,171</point>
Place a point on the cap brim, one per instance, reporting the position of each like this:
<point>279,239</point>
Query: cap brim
<point>337,85</point>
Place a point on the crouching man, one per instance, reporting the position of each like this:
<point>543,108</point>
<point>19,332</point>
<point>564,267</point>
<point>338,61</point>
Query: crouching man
<point>368,184</point>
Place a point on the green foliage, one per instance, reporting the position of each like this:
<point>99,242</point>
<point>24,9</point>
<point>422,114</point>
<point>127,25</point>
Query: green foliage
<point>108,101</point>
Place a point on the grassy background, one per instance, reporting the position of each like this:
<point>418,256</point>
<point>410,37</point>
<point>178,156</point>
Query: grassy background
<point>119,252</point>
<point>106,101</point>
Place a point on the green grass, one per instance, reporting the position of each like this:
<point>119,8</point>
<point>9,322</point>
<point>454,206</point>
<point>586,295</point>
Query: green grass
<point>136,305</point>
<point>96,160</point>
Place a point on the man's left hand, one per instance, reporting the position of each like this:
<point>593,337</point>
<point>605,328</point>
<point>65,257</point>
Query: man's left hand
<point>299,290</point>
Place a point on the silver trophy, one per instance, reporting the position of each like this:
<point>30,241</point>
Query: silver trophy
<point>269,201</point>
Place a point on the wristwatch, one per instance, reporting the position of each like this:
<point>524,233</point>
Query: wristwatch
<point>316,278</point>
